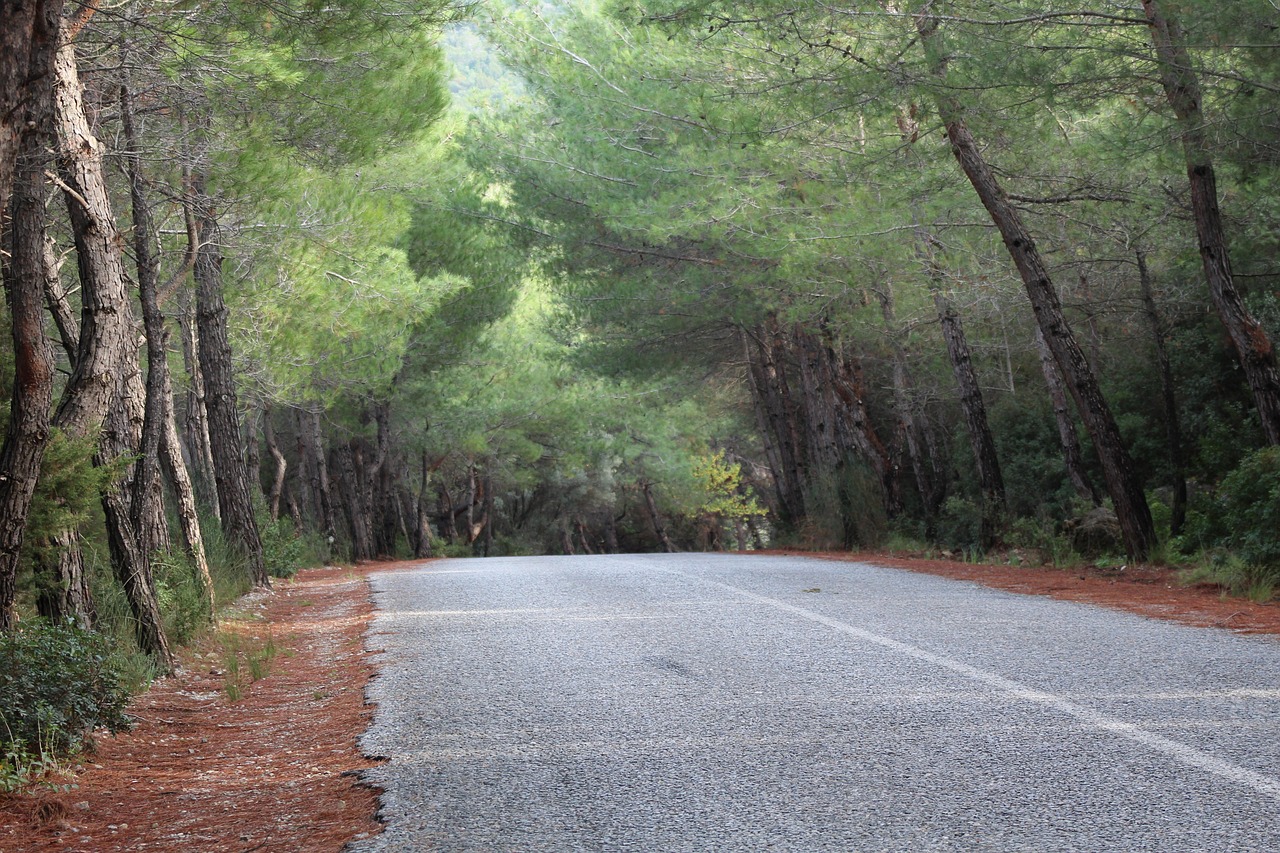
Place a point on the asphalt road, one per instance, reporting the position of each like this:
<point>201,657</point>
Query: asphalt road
<point>738,703</point>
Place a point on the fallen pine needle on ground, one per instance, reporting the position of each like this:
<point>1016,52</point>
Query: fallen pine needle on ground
<point>251,747</point>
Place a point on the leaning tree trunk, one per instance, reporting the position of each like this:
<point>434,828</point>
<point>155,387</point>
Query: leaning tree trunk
<point>188,512</point>
<point>231,476</point>
<point>104,389</point>
<point>659,529</point>
<point>129,560</point>
<point>148,489</point>
<point>1069,442</point>
<point>24,277</point>
<point>1168,396</point>
<point>1123,483</point>
<point>104,324</point>
<point>981,441</point>
<point>1253,345</point>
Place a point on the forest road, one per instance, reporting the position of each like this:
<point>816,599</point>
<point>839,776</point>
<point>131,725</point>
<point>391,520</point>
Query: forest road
<point>701,702</point>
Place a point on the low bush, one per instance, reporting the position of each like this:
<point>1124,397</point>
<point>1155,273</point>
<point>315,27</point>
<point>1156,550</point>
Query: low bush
<point>57,684</point>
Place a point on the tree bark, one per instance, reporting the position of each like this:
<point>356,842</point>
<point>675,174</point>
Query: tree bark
<point>148,489</point>
<point>231,476</point>
<point>317,460</point>
<point>188,512</point>
<point>908,412</point>
<point>197,417</point>
<point>24,280</point>
<point>1072,457</point>
<point>775,427</point>
<point>449,515</point>
<point>29,34</point>
<point>1253,345</point>
<point>281,465</point>
<point>659,529</point>
<point>105,389</point>
<point>1168,397</point>
<point>422,545</point>
<point>1123,484</point>
<point>974,407</point>
<point>105,324</point>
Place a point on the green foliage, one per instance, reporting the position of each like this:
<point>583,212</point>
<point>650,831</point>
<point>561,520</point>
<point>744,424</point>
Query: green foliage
<point>1041,536</point>
<point>67,493</point>
<point>960,524</point>
<point>285,550</point>
<point>846,510</point>
<point>1250,497</point>
<point>721,482</point>
<point>183,604</point>
<point>57,684</point>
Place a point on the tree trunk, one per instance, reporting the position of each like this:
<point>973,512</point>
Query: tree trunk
<point>350,465</point>
<point>282,465</point>
<point>24,277</point>
<point>253,451</point>
<point>380,488</point>
<point>659,529</point>
<point>1168,396</point>
<point>470,508</point>
<point>1067,438</point>
<point>489,519</point>
<point>105,323</point>
<point>566,542</point>
<point>55,298</point>
<point>422,546</point>
<point>188,512</point>
<point>310,433</point>
<point>584,536</point>
<point>908,419</point>
<point>981,441</point>
<point>231,476</point>
<point>29,34</point>
<point>111,391</point>
<point>197,417</point>
<point>449,515</point>
<point>611,533</point>
<point>1123,484</point>
<point>148,489</point>
<point>130,562</point>
<point>1252,344</point>
<point>776,427</point>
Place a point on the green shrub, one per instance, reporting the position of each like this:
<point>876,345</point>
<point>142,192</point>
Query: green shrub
<point>960,524</point>
<point>57,684</point>
<point>1250,498</point>
<point>283,550</point>
<point>1041,536</point>
<point>844,509</point>
<point>183,603</point>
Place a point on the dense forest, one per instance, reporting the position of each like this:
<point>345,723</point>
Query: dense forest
<point>287,285</point>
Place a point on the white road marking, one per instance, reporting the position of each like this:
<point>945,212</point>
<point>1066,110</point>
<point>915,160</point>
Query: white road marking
<point>1179,751</point>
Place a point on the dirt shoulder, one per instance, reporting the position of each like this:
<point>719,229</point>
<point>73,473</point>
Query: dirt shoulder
<point>251,747</point>
<point>276,768</point>
<point>1149,590</point>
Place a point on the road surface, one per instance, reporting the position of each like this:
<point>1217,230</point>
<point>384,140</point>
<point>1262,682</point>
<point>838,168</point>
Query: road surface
<point>746,703</point>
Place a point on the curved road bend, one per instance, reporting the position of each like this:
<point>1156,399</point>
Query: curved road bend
<point>730,703</point>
